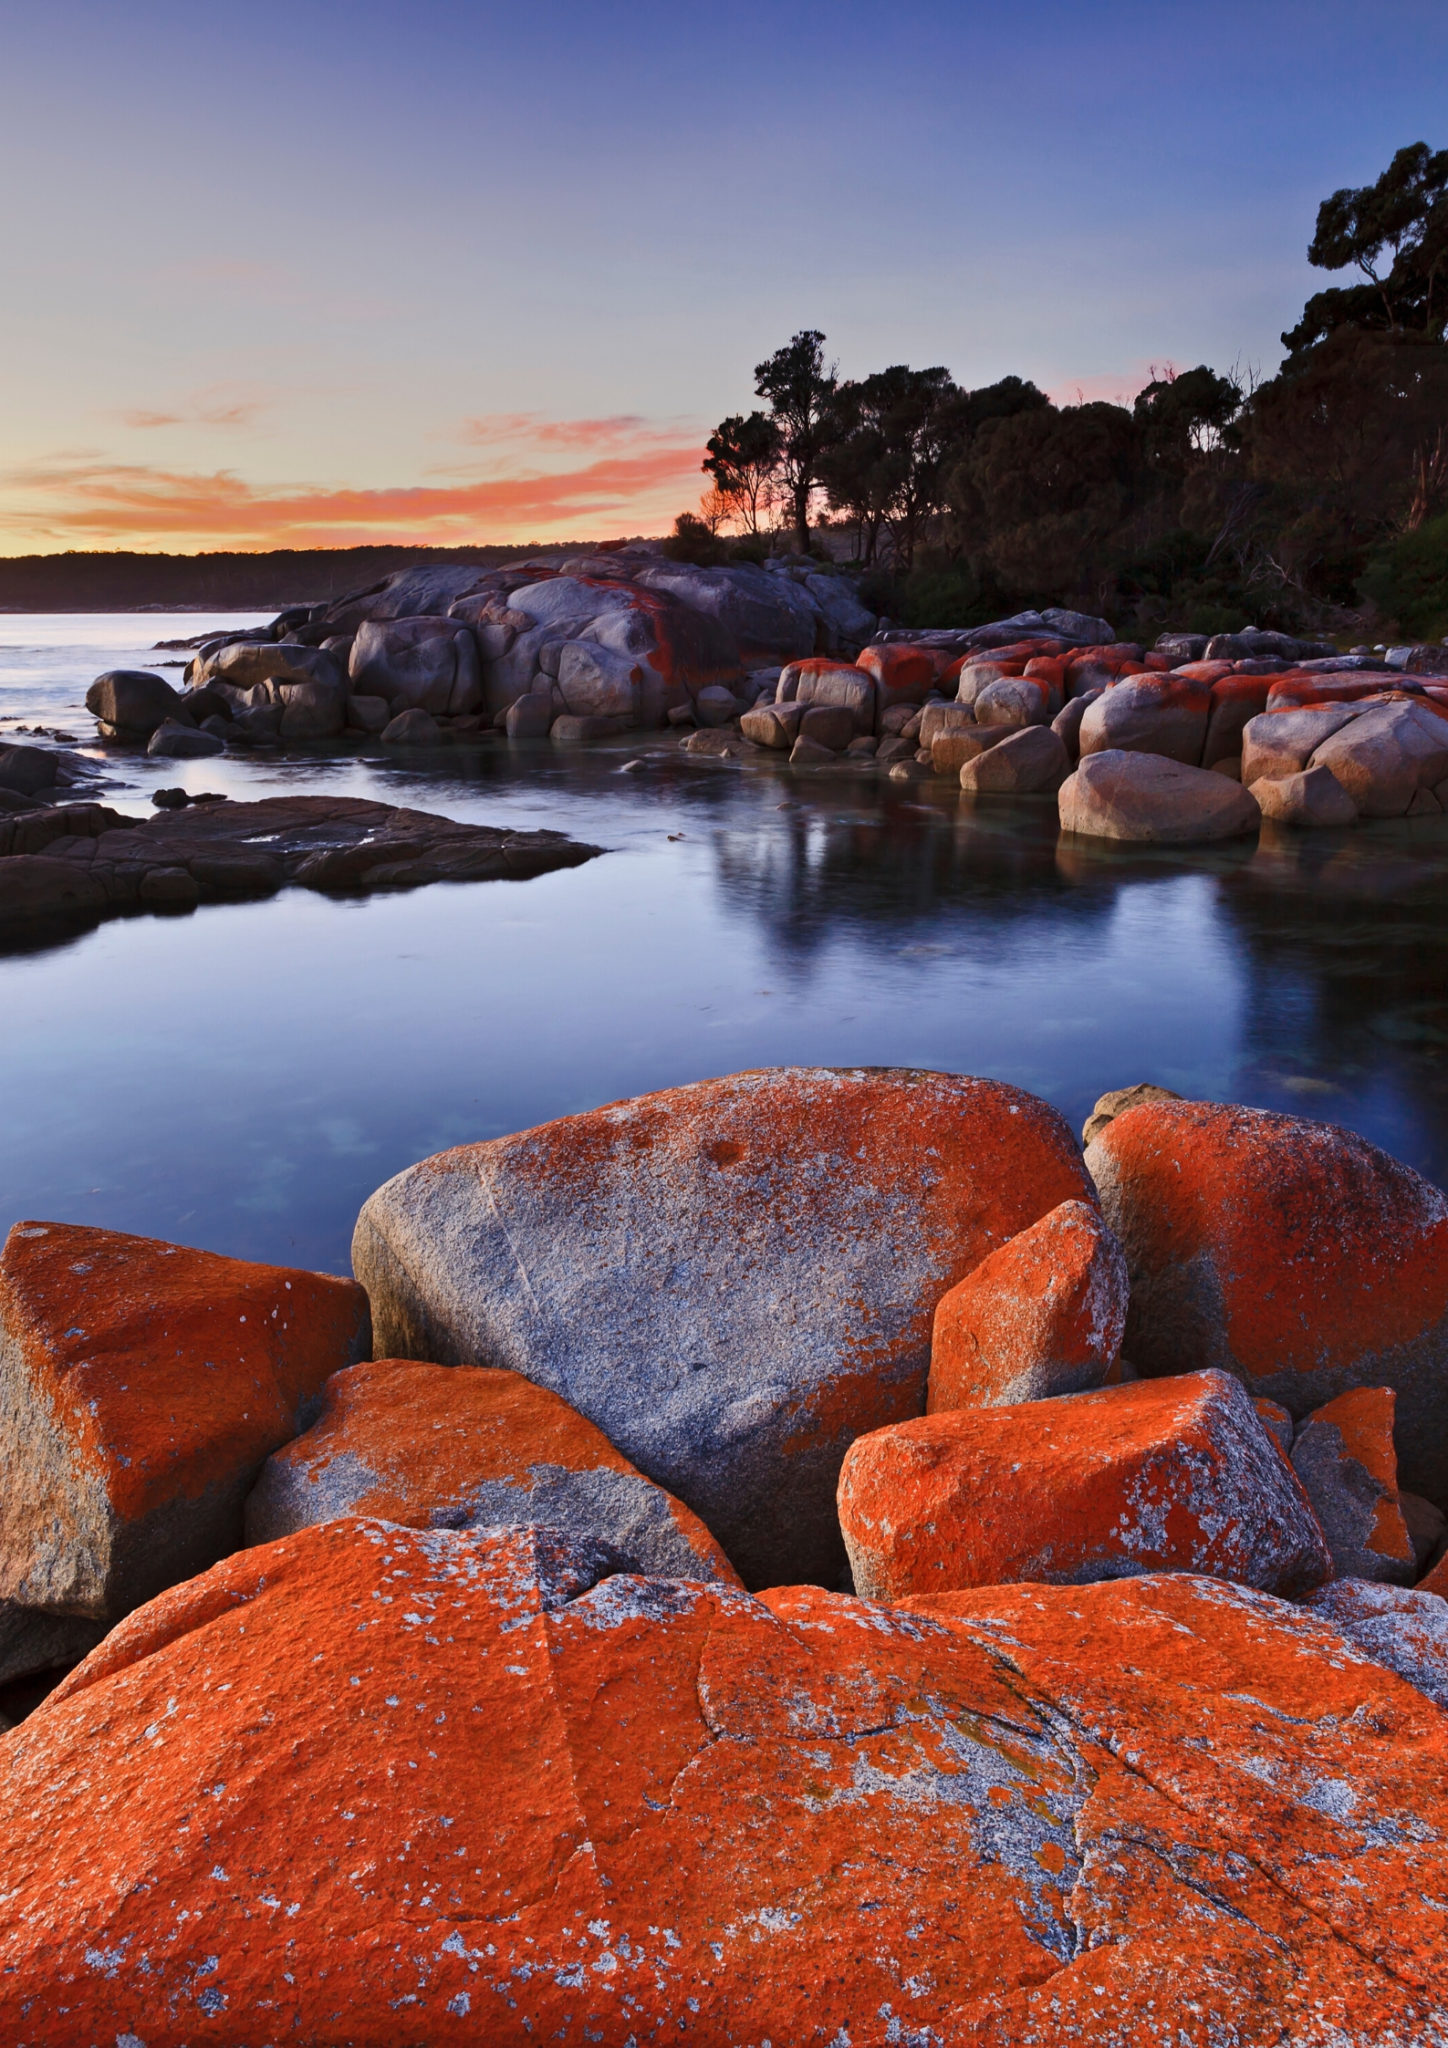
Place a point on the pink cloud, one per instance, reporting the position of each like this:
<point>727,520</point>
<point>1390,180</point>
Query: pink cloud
<point>200,411</point>
<point>619,430</point>
<point>120,504</point>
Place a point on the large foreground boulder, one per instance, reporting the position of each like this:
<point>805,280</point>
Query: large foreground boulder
<point>141,1386</point>
<point>396,1787</point>
<point>732,1280</point>
<point>1117,795</point>
<point>132,702</point>
<point>1158,1475</point>
<point>1293,1254</point>
<point>1162,715</point>
<point>450,1447</point>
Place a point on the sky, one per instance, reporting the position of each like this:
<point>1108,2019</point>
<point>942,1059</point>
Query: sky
<point>317,274</point>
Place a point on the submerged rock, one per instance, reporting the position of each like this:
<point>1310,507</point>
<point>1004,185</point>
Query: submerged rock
<point>731,1280</point>
<point>496,1794</point>
<point>456,1446</point>
<point>1159,1475</point>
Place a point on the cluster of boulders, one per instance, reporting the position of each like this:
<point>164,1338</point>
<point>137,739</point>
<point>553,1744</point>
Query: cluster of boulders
<point>805,1556</point>
<point>578,648</point>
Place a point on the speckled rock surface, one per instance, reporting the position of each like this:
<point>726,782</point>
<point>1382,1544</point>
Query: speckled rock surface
<point>1156,1475</point>
<point>1293,1254</point>
<point>1404,1629</point>
<point>731,1280</point>
<point>1343,1454</point>
<point>411,1789</point>
<point>1120,795</point>
<point>1042,1316</point>
<point>141,1386</point>
<point>452,1446</point>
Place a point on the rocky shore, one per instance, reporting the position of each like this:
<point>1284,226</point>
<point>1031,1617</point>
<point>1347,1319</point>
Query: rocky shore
<point>782,662</point>
<point>83,861</point>
<point>804,1556</point>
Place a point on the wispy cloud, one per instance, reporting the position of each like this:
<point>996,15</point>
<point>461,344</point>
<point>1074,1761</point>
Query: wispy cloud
<point>531,429</point>
<point>204,410</point>
<point>90,504</point>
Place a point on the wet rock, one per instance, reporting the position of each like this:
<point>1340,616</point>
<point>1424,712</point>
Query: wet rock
<point>808,753</point>
<point>773,725</point>
<point>98,860</point>
<point>955,1774</point>
<point>720,742</point>
<point>28,771</point>
<point>1343,1454</point>
<point>1041,1316</point>
<point>529,717</point>
<point>1404,1631</point>
<point>1163,716</point>
<point>183,743</point>
<point>132,701</point>
<point>831,726</point>
<point>141,1386</point>
<point>1315,799</point>
<point>1385,755</point>
<point>1159,1475</point>
<point>730,1279</point>
<point>437,1446</point>
<point>1115,1100</point>
<point>1293,1254</point>
<point>412,729</point>
<point>369,714</point>
<point>1028,763</point>
<point>715,705</point>
<point>895,749</point>
<point>1146,797</point>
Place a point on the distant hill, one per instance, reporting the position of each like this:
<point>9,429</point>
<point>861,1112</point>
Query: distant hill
<point>80,582</point>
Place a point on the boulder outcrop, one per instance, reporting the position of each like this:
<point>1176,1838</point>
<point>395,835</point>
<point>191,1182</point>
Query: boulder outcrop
<point>451,1447</point>
<point>371,1783</point>
<point>141,1386</point>
<point>1158,1475</point>
<point>1041,1316</point>
<point>131,702</point>
<point>732,1280</point>
<point>1293,1254</point>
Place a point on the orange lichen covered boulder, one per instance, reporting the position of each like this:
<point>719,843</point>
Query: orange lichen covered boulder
<point>732,1280</point>
<point>1042,1316</point>
<point>1293,1254</point>
<point>141,1386</point>
<point>1406,1631</point>
<point>903,673</point>
<point>1154,1475</point>
<point>395,1787</point>
<point>1344,1456</point>
<point>456,1446</point>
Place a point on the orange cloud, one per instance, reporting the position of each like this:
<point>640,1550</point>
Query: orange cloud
<point>89,504</point>
<point>216,413</point>
<point>620,430</point>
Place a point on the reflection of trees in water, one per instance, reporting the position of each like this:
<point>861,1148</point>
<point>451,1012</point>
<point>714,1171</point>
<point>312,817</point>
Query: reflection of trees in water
<point>1347,993</point>
<point>891,872</point>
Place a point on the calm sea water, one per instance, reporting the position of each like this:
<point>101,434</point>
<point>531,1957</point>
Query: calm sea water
<point>242,1077</point>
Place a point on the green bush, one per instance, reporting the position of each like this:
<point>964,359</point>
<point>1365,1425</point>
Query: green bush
<point>1408,582</point>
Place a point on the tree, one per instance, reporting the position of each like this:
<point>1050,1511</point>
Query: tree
<point>800,390</point>
<point>1186,415</point>
<point>1403,217</point>
<point>743,459</point>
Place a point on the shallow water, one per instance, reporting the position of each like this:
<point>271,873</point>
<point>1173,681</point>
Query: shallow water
<point>243,1076</point>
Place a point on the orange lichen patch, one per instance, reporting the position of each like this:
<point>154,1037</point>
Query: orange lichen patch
<point>1345,1458</point>
<point>446,1787</point>
<point>1204,671</point>
<point>1436,1580</point>
<point>147,1380</point>
<point>439,1446</point>
<point>1299,692</point>
<point>1156,1475</point>
<point>901,671</point>
<point>729,1326</point>
<point>1293,1254</point>
<point>1041,1316</point>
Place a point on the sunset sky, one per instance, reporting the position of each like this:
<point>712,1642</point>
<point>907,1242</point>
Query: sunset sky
<point>313,274</point>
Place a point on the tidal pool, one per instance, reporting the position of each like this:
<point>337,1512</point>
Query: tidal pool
<point>243,1076</point>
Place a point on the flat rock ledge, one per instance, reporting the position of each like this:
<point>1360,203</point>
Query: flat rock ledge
<point>85,861</point>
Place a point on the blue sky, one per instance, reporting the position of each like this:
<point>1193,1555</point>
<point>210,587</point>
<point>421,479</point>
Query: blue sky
<point>315,273</point>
